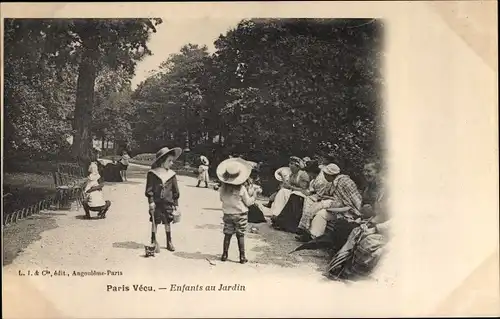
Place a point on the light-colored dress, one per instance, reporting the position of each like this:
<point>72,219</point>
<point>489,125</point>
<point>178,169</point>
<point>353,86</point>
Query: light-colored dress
<point>299,179</point>
<point>125,159</point>
<point>203,173</point>
<point>95,198</point>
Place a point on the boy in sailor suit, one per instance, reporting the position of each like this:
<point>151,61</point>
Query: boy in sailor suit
<point>162,192</point>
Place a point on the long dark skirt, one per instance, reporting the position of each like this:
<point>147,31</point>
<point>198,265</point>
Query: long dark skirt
<point>255,215</point>
<point>289,218</point>
<point>339,232</point>
<point>111,173</point>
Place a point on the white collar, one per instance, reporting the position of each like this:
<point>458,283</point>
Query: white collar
<point>163,174</point>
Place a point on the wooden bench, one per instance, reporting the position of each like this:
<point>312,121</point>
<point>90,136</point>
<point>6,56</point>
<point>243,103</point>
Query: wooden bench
<point>68,188</point>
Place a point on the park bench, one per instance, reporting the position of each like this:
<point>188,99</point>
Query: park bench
<point>68,188</point>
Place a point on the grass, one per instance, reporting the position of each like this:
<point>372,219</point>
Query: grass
<point>26,183</point>
<point>25,189</point>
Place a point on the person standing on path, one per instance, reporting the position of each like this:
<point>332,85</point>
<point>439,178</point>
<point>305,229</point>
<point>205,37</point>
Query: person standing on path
<point>233,174</point>
<point>124,161</point>
<point>162,192</point>
<point>203,172</point>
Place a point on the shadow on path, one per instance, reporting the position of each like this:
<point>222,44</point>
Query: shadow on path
<point>209,226</point>
<point>123,183</point>
<point>276,248</point>
<point>200,187</point>
<point>128,245</point>
<point>197,255</point>
<point>214,209</point>
<point>82,217</point>
<point>55,214</point>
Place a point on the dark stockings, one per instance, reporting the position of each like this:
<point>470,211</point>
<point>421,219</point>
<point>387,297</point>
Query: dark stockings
<point>227,241</point>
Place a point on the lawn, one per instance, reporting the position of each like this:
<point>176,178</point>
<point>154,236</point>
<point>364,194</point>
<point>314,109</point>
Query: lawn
<point>26,183</point>
<point>24,189</point>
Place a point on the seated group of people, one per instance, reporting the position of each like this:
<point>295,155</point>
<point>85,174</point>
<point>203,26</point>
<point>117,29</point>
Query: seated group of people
<point>325,209</point>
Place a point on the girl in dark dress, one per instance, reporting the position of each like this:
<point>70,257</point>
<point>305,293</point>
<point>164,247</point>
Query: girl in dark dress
<point>162,192</point>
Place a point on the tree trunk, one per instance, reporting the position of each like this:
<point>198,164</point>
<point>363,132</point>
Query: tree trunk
<point>84,103</point>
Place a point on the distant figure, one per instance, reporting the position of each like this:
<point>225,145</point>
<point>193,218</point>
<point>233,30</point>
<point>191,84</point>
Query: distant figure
<point>203,172</point>
<point>124,161</point>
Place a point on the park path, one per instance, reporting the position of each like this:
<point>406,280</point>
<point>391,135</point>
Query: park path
<point>275,285</point>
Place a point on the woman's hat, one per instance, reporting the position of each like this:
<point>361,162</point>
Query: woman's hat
<point>204,160</point>
<point>233,171</point>
<point>331,169</point>
<point>298,161</point>
<point>282,171</point>
<point>176,152</point>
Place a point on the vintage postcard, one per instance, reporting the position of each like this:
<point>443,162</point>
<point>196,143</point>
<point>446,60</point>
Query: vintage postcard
<point>250,159</point>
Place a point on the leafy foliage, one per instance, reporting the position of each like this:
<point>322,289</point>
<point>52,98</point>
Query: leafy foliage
<point>272,89</point>
<point>46,54</point>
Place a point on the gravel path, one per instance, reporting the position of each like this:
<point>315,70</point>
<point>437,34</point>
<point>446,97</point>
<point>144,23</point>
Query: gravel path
<point>115,246</point>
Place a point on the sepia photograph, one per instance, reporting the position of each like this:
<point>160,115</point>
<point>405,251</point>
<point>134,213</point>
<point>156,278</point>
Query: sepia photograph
<point>161,161</point>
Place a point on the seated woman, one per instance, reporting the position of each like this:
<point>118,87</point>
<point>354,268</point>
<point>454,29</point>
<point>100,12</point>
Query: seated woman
<point>365,245</point>
<point>342,227</point>
<point>340,202</point>
<point>111,172</point>
<point>318,186</point>
<point>282,174</point>
<point>289,218</point>
<point>297,183</point>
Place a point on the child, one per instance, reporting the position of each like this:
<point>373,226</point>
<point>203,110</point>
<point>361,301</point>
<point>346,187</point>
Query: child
<point>93,197</point>
<point>162,192</point>
<point>203,172</point>
<point>233,173</point>
<point>124,161</point>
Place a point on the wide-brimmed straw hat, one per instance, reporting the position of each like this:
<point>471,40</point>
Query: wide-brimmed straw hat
<point>297,160</point>
<point>331,169</point>
<point>233,171</point>
<point>204,160</point>
<point>286,171</point>
<point>252,164</point>
<point>176,152</point>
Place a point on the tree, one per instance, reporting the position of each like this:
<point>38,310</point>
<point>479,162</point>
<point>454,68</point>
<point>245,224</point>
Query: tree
<point>113,111</point>
<point>171,104</point>
<point>91,44</point>
<point>39,95</point>
<point>273,88</point>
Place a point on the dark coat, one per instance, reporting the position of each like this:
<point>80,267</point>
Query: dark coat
<point>162,187</point>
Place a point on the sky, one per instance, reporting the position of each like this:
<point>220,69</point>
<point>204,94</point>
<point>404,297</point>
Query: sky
<point>171,35</point>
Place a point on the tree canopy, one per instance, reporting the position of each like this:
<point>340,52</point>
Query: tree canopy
<point>272,88</point>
